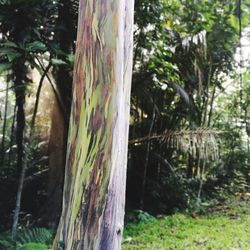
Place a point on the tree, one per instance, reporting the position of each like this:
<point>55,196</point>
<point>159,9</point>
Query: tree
<point>94,185</point>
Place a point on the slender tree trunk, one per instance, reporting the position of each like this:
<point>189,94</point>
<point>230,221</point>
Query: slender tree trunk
<point>18,200</point>
<point>211,107</point>
<point>66,37</point>
<point>190,166</point>
<point>20,116</point>
<point>38,93</point>
<point>144,179</point>
<point>203,164</point>
<point>20,76</point>
<point>12,135</point>
<point>206,97</point>
<point>4,125</point>
<point>94,186</point>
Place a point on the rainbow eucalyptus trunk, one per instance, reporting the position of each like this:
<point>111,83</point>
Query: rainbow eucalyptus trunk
<point>95,174</point>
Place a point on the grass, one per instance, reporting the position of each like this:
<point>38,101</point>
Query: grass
<point>33,246</point>
<point>225,227</point>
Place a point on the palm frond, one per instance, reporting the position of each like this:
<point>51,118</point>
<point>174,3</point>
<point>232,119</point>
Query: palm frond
<point>201,143</point>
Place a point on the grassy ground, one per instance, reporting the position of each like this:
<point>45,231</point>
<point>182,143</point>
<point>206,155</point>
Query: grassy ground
<point>225,227</point>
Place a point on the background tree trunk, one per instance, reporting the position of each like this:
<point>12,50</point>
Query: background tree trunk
<point>2,157</point>
<point>60,118</point>
<point>94,186</point>
<point>51,210</point>
<point>20,77</point>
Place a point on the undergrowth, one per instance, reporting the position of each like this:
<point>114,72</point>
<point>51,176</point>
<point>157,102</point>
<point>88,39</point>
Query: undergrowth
<point>27,239</point>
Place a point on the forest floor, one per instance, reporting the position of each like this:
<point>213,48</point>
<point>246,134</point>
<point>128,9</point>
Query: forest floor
<point>225,226</point>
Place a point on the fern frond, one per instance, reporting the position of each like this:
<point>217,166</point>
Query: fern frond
<point>38,235</point>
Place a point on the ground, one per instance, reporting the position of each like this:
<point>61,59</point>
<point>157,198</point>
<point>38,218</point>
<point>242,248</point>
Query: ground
<point>224,226</point>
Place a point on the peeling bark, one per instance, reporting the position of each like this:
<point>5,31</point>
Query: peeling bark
<point>95,174</point>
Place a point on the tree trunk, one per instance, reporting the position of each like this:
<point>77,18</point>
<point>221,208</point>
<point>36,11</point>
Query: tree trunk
<point>56,150</point>
<point>94,186</point>
<point>4,125</point>
<point>145,171</point>
<point>211,107</point>
<point>18,199</point>
<point>66,37</point>
<point>12,136</point>
<point>20,75</point>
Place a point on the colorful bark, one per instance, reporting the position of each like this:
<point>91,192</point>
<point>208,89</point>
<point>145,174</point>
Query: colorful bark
<point>94,188</point>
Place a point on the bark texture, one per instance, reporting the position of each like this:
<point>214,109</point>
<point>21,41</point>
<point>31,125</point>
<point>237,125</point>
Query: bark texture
<point>95,174</point>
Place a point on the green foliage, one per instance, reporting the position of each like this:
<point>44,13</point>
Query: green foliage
<point>34,238</point>
<point>38,235</point>
<point>138,216</point>
<point>6,241</point>
<point>58,62</point>
<point>36,46</point>
<point>4,67</point>
<point>33,246</point>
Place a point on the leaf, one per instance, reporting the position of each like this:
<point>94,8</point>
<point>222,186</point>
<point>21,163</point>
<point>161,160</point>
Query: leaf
<point>4,67</point>
<point>11,53</point>
<point>181,91</point>
<point>10,44</point>
<point>36,46</point>
<point>185,96</point>
<point>2,2</point>
<point>71,59</point>
<point>58,62</point>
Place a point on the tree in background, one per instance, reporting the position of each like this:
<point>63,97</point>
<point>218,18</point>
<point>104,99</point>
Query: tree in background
<point>94,187</point>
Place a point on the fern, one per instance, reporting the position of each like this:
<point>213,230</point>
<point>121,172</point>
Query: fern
<point>37,235</point>
<point>27,239</point>
<point>6,242</point>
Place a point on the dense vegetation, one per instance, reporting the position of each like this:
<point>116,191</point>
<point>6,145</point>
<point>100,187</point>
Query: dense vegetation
<point>189,125</point>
